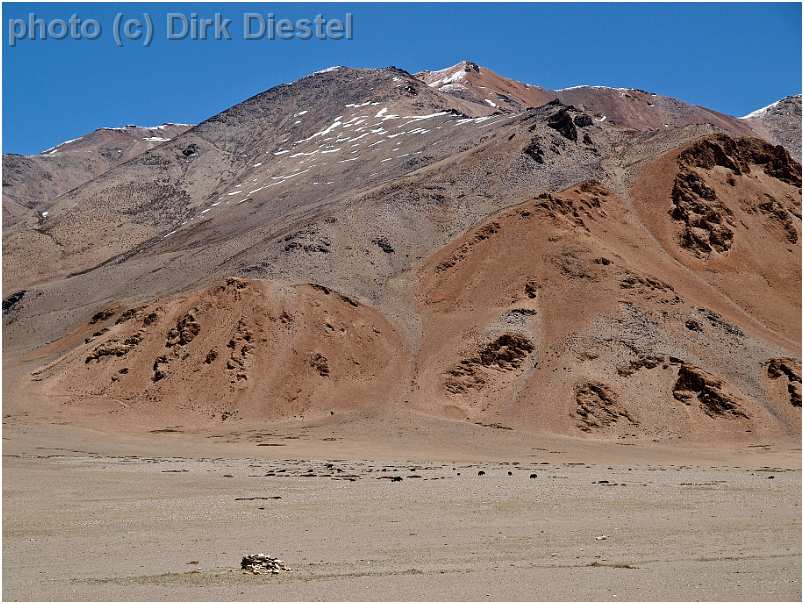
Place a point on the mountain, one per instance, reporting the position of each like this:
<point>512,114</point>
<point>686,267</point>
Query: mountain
<point>644,110</point>
<point>361,244</point>
<point>780,123</point>
<point>32,182</point>
<point>483,90</point>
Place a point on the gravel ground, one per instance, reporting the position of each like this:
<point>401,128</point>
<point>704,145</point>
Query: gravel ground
<point>81,526</point>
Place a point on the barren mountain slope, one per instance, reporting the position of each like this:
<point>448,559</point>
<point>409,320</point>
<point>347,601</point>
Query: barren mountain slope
<point>236,349</point>
<point>779,123</point>
<point>32,182</point>
<point>543,270</point>
<point>564,313</point>
<point>254,151</point>
<point>351,223</point>
<point>483,90</point>
<point>735,220</point>
<point>645,110</point>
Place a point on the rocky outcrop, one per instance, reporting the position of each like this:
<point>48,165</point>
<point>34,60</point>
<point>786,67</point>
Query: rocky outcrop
<point>789,369</point>
<point>186,329</point>
<point>650,288</point>
<point>643,361</point>
<point>718,322</point>
<point>160,368</point>
<point>115,347</point>
<point>597,407</point>
<point>481,234</point>
<point>707,224</point>
<point>535,151</point>
<point>128,314</point>
<point>241,346</point>
<point>693,383</point>
<point>738,155</point>
<point>319,362</point>
<point>383,244</point>
<point>102,315</point>
<point>779,216</point>
<point>307,241</point>
<point>562,122</point>
<point>506,353</point>
<point>581,204</point>
<point>11,301</point>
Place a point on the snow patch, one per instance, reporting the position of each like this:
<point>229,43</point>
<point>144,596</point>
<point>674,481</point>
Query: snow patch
<point>52,150</point>
<point>416,118</point>
<point>384,115</point>
<point>761,110</point>
<point>596,87</point>
<point>454,77</point>
<point>290,175</point>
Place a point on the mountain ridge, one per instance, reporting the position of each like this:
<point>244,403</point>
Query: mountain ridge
<point>509,95</point>
<point>32,182</point>
<point>535,267</point>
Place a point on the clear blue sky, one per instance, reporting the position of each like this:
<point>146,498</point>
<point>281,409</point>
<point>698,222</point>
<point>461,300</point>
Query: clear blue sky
<point>730,57</point>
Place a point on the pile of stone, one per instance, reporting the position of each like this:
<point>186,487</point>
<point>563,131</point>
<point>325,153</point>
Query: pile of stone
<point>260,564</point>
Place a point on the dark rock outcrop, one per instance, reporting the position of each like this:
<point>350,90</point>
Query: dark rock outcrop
<point>597,406</point>
<point>563,123</point>
<point>11,301</point>
<point>707,224</point>
<point>695,383</point>
<point>785,367</point>
<point>505,353</point>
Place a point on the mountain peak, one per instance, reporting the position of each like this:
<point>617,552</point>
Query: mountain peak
<point>779,104</point>
<point>448,75</point>
<point>483,89</point>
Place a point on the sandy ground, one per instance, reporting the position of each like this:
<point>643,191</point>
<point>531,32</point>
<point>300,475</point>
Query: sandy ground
<point>89,517</point>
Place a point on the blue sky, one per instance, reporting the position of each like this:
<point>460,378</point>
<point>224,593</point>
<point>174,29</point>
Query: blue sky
<point>730,57</point>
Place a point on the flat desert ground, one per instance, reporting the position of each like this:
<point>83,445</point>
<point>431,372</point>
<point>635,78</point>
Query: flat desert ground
<point>89,515</point>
